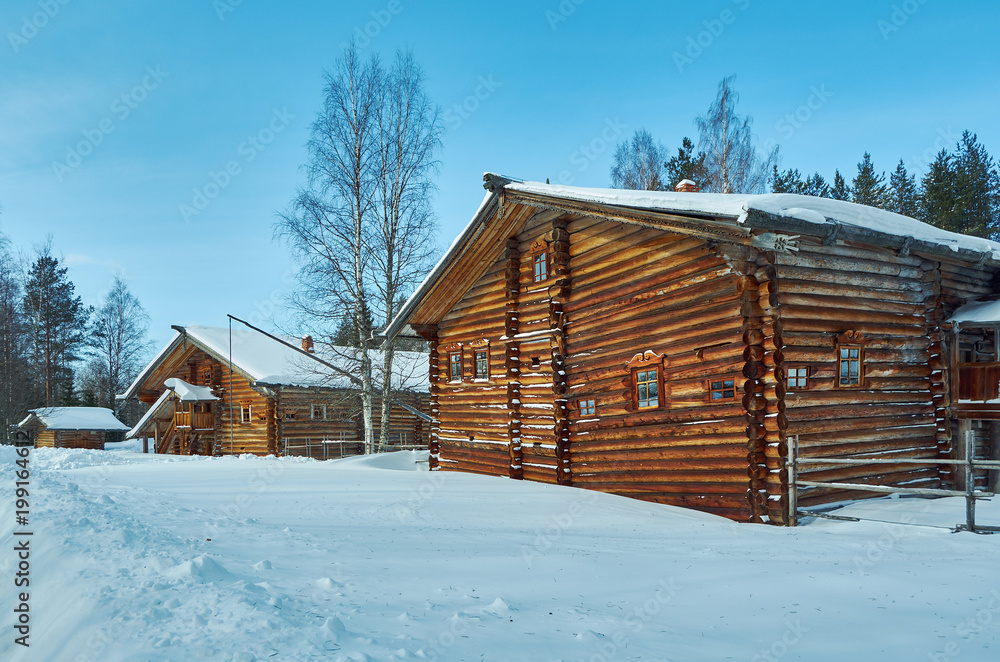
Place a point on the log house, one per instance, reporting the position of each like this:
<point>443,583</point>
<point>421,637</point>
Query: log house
<point>71,427</point>
<point>274,401</point>
<point>673,346</point>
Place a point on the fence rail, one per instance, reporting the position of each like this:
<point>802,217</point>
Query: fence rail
<point>970,492</point>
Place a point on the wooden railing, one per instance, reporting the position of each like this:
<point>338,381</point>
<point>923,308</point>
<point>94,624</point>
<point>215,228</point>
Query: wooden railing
<point>202,420</point>
<point>979,381</point>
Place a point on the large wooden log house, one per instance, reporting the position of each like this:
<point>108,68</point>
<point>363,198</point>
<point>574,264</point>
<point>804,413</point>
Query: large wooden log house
<point>275,399</point>
<point>71,427</point>
<point>675,346</point>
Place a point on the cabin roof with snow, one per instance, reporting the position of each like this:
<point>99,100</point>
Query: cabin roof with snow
<point>265,361</point>
<point>73,418</point>
<point>737,218</point>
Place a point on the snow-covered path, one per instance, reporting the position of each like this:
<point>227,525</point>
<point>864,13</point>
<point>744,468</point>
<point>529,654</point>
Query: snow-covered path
<point>162,558</point>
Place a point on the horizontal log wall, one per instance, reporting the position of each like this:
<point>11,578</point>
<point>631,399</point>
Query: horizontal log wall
<point>892,301</point>
<point>476,419</point>
<point>637,290</point>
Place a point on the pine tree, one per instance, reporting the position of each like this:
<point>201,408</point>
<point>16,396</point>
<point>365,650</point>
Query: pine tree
<point>840,190</point>
<point>789,181</point>
<point>938,200</point>
<point>869,188</point>
<point>57,319</point>
<point>816,186</point>
<point>977,188</point>
<point>902,192</point>
<point>686,165</point>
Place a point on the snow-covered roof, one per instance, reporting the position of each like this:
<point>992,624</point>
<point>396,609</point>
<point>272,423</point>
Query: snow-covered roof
<point>811,209</point>
<point>75,418</point>
<point>189,392</point>
<point>150,414</point>
<point>786,212</point>
<point>985,313</point>
<point>267,362</point>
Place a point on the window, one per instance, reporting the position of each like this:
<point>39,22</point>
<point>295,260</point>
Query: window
<point>206,376</point>
<point>482,364</point>
<point>245,412</point>
<point>455,363</point>
<point>798,378</point>
<point>588,407</point>
<point>849,361</point>
<point>318,413</point>
<point>723,389</point>
<point>647,388</point>
<point>541,266</point>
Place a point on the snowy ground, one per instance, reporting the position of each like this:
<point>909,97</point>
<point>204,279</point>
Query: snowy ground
<point>143,557</point>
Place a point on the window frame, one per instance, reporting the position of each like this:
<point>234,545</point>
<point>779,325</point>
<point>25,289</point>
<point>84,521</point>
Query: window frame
<point>656,381</point>
<point>722,389</point>
<point>789,378</point>
<point>452,364</point>
<point>587,407</point>
<point>246,413</point>
<point>644,362</point>
<point>841,360</point>
<point>484,353</point>
<point>312,412</point>
<point>540,257</point>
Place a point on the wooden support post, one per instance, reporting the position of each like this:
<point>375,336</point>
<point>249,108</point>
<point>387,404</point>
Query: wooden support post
<point>970,479</point>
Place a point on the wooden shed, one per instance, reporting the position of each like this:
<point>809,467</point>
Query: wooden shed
<point>679,347</point>
<point>71,427</point>
<point>275,399</point>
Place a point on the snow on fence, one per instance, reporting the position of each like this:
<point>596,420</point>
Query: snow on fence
<point>970,493</point>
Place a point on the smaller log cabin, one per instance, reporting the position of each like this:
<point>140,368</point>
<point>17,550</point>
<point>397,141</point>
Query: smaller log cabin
<point>680,347</point>
<point>71,427</point>
<point>215,392</point>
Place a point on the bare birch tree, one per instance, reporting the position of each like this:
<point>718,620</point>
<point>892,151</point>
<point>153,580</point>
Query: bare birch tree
<point>639,164</point>
<point>361,228</point>
<point>117,338</point>
<point>409,134</point>
<point>732,164</point>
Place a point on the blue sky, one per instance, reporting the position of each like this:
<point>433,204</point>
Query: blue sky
<point>114,116</point>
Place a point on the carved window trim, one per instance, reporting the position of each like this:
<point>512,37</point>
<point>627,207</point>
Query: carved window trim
<point>850,349</point>
<point>317,412</point>
<point>646,369</point>
<point>481,360</point>
<point>246,412</point>
<point>540,267</point>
